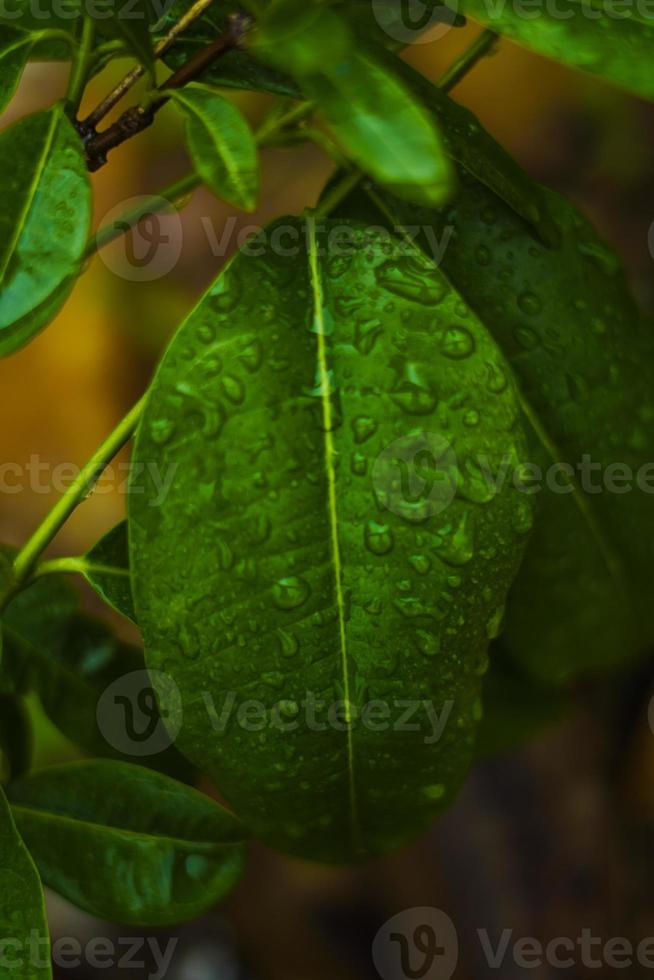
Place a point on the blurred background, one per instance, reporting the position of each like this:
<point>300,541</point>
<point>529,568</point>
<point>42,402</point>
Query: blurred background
<point>545,841</point>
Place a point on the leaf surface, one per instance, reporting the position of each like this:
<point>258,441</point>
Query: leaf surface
<point>106,568</point>
<point>22,906</point>
<point>583,362</point>
<point>14,52</point>
<point>127,844</point>
<point>221,145</point>
<point>44,224</point>
<point>290,574</point>
<point>608,39</point>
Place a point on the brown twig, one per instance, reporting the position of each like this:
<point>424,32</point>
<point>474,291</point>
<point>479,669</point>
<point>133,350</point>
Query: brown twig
<point>138,118</point>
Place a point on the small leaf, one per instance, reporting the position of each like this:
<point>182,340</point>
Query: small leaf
<point>22,905</point>
<point>44,223</point>
<point>291,559</point>
<point>370,112</point>
<point>221,145</point>
<point>15,738</point>
<point>615,44</point>
<point>106,568</point>
<point>14,52</point>
<point>128,844</point>
<point>132,24</point>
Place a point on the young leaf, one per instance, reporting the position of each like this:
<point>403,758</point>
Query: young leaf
<point>221,145</point>
<point>301,566</point>
<point>14,52</point>
<point>583,362</point>
<point>615,44</point>
<point>370,112</point>
<point>44,224</point>
<point>127,844</point>
<point>22,907</point>
<point>71,660</point>
<point>132,24</point>
<point>15,738</point>
<point>106,568</point>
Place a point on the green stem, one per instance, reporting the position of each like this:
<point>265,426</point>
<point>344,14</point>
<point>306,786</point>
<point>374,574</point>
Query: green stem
<point>480,47</point>
<point>59,566</point>
<point>80,68</point>
<point>165,199</point>
<point>75,494</point>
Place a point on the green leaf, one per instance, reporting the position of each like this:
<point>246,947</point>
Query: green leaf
<point>106,568</point>
<point>608,39</point>
<point>22,906</point>
<point>132,23</point>
<point>128,844</point>
<point>72,661</point>
<point>221,145</point>
<point>584,364</point>
<point>15,738</point>
<point>44,224</point>
<point>289,561</point>
<point>237,69</point>
<point>371,113</point>
<point>14,52</point>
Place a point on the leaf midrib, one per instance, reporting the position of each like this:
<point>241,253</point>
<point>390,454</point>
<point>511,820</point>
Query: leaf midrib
<point>323,374</point>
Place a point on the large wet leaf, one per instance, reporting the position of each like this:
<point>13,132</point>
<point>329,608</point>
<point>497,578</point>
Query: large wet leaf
<point>127,844</point>
<point>22,907</point>
<point>583,361</point>
<point>608,38</point>
<point>44,224</point>
<point>79,668</point>
<point>328,543</point>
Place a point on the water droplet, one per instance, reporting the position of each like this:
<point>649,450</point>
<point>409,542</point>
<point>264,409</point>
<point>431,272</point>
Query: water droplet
<point>412,394</point>
<point>289,593</point>
<point>428,643</point>
<point>434,792</point>
<point>457,343</point>
<point>378,538</point>
<point>456,544</point>
<point>408,278</point>
<point>363,428</point>
<point>420,563</point>
<point>161,431</point>
<point>530,303</point>
<point>471,418</point>
<point>497,381</point>
<point>528,339</point>
<point>288,643</point>
<point>359,464</point>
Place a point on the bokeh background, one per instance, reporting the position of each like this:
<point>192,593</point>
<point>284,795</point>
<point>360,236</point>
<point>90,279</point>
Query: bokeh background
<point>545,840</point>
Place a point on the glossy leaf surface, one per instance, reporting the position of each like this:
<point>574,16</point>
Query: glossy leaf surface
<point>22,907</point>
<point>290,563</point>
<point>607,39</point>
<point>221,145</point>
<point>127,844</point>
<point>44,224</point>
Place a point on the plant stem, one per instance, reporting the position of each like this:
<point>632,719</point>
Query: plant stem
<point>80,66</point>
<point>167,197</point>
<point>480,47</point>
<point>128,82</point>
<point>138,118</point>
<point>60,566</point>
<point>76,493</point>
